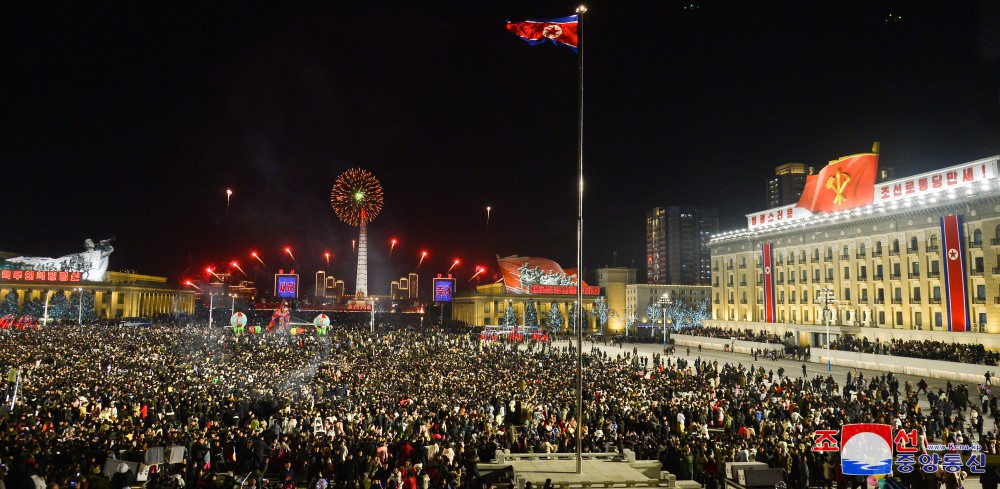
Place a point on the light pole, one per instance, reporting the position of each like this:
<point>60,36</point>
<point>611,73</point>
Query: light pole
<point>373,300</point>
<point>232,309</point>
<point>826,297</point>
<point>79,318</point>
<point>48,295</point>
<point>211,304</point>
<point>664,303</point>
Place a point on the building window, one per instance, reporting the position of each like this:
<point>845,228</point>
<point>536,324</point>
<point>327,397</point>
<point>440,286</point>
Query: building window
<point>977,237</point>
<point>847,294</point>
<point>937,319</point>
<point>982,319</point>
<point>881,317</point>
<point>899,318</point>
<point>917,319</point>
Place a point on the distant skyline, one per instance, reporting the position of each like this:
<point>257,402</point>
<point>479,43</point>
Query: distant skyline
<point>134,123</point>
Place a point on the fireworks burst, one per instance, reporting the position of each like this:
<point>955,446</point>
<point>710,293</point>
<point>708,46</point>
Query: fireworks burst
<point>356,197</point>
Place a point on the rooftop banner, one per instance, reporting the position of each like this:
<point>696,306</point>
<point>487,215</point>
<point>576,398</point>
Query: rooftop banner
<point>530,275</point>
<point>843,184</point>
<point>839,187</point>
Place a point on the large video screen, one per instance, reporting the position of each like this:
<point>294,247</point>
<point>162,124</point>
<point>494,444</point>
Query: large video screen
<point>444,288</point>
<point>286,286</point>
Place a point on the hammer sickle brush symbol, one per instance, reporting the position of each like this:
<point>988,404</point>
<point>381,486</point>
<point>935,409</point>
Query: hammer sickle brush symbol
<point>838,183</point>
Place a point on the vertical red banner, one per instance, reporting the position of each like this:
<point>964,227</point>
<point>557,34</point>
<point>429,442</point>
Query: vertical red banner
<point>955,283</point>
<point>767,266</point>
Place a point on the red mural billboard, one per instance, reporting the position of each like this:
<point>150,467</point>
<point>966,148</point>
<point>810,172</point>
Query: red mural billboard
<point>531,275</point>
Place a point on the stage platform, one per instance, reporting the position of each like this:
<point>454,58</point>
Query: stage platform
<point>599,470</point>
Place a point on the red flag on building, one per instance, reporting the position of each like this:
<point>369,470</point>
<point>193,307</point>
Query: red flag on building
<point>843,184</point>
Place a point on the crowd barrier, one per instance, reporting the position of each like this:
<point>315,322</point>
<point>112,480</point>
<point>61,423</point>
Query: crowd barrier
<point>917,367</point>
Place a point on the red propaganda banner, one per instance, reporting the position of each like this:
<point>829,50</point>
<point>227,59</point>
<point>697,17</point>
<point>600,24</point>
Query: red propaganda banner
<point>39,276</point>
<point>768,267</point>
<point>956,294</point>
<point>843,184</point>
<point>564,289</point>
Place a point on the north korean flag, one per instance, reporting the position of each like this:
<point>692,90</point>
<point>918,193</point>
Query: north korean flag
<point>564,31</point>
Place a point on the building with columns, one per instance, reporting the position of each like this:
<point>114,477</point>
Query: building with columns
<point>120,295</point>
<point>486,306</point>
<point>922,261</point>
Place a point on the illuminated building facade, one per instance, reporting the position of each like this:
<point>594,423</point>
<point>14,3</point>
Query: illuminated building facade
<point>486,306</point>
<point>676,244</point>
<point>328,286</point>
<point>785,187</point>
<point>405,288</point>
<point>639,296</point>
<point>120,295</point>
<point>614,282</point>
<point>921,261</point>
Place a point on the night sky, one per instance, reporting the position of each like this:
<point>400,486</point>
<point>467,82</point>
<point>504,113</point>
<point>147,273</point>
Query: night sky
<point>133,123</point>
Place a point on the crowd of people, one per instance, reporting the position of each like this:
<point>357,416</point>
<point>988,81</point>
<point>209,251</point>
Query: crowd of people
<point>740,334</point>
<point>929,350</point>
<point>409,408</point>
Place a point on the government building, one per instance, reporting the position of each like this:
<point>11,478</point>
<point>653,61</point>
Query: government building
<point>28,285</point>
<point>120,295</point>
<point>918,258</point>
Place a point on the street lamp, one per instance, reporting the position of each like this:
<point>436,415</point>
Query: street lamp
<point>232,309</point>
<point>664,303</point>
<point>211,304</point>
<point>373,300</point>
<point>79,318</point>
<point>826,297</point>
<point>48,295</point>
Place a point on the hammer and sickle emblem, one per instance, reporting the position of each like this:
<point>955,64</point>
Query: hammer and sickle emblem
<point>838,183</point>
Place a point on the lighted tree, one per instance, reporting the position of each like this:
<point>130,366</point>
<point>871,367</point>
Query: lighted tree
<point>530,315</point>
<point>32,308</point>
<point>58,306</point>
<point>9,304</point>
<point>509,318</point>
<point>555,317</point>
<point>572,315</point>
<point>89,312</point>
<point>629,322</point>
<point>699,313</point>
<point>601,309</point>
<point>653,312</point>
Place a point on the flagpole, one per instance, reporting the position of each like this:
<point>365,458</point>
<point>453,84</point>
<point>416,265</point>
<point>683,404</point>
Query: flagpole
<point>579,249</point>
